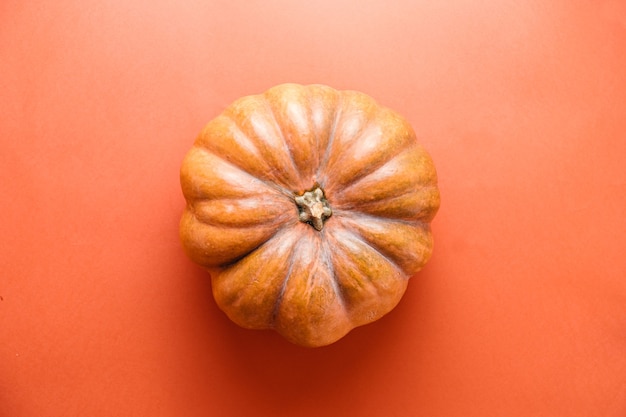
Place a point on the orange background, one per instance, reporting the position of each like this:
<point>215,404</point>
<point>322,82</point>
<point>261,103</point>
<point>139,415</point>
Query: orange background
<point>521,311</point>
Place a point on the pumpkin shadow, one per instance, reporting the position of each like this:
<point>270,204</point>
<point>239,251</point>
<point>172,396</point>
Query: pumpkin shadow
<point>274,377</point>
<point>284,379</point>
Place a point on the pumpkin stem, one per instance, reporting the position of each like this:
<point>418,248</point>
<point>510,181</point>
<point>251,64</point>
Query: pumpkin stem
<point>313,207</point>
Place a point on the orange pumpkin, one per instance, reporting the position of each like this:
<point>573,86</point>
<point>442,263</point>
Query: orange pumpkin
<point>311,209</point>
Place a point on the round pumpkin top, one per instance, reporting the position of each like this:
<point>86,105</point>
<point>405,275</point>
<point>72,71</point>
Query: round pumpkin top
<point>311,208</point>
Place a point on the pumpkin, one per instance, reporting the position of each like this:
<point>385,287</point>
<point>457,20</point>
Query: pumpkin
<point>311,209</point>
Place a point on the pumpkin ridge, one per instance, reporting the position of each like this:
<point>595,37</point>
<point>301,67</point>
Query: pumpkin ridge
<point>316,145</point>
<point>279,129</point>
<point>248,145</point>
<point>372,168</point>
<point>323,161</point>
<point>220,177</point>
<point>268,183</point>
<point>239,133</point>
<point>398,178</point>
<point>259,152</point>
<point>353,140</point>
<point>405,150</point>
<point>217,250</point>
<point>196,209</point>
<point>425,215</point>
<point>352,213</point>
<point>279,232</point>
<point>315,109</point>
<point>339,290</point>
<point>367,243</point>
<point>363,288</point>
<point>422,227</point>
<point>307,329</point>
<point>283,288</point>
<point>243,289</point>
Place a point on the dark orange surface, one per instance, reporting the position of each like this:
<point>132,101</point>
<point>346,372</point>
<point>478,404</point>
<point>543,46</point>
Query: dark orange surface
<point>521,311</point>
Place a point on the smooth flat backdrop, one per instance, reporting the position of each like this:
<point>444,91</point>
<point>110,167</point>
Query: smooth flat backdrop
<point>521,311</point>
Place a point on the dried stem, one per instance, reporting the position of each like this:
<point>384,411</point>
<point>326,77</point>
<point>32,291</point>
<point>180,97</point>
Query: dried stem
<point>313,207</point>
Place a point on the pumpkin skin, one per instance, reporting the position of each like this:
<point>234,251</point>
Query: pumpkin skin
<point>311,209</point>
